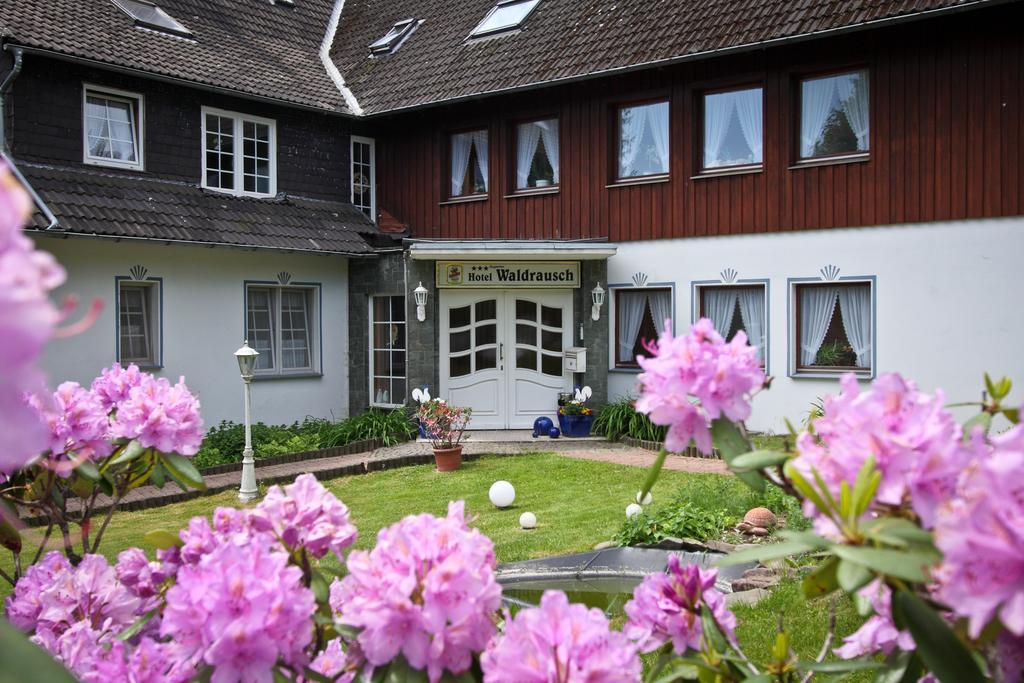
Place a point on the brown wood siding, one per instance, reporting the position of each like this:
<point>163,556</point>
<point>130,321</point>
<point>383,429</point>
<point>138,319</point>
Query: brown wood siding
<point>946,137</point>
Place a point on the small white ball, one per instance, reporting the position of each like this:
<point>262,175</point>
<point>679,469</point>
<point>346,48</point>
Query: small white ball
<point>501,494</point>
<point>632,510</point>
<point>647,499</point>
<point>528,520</point>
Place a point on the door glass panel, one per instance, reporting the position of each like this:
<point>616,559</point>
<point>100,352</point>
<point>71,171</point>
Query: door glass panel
<point>551,341</point>
<point>526,359</point>
<point>458,317</point>
<point>486,334</point>
<point>486,310</point>
<point>526,310</point>
<point>381,363</point>
<point>551,365</point>
<point>526,334</point>
<point>458,366</point>
<point>459,341</point>
<point>398,364</point>
<point>551,317</point>
<point>486,359</point>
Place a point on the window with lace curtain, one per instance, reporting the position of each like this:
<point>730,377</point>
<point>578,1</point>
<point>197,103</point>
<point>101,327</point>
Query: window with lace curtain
<point>468,161</point>
<point>834,115</point>
<point>112,128</point>
<point>737,307</point>
<point>643,140</point>
<point>282,323</point>
<point>834,323</point>
<point>732,129</point>
<point>536,154</point>
<point>640,315</point>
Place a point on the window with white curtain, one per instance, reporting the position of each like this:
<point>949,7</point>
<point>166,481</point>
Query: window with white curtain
<point>640,316</point>
<point>537,154</point>
<point>834,115</point>
<point>281,324</point>
<point>833,327</point>
<point>469,163</point>
<point>733,128</point>
<point>138,322</point>
<point>643,140</point>
<point>112,128</point>
<point>363,171</point>
<point>734,308</point>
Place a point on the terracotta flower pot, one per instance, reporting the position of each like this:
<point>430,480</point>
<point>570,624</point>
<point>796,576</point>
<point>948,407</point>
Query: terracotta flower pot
<point>448,459</point>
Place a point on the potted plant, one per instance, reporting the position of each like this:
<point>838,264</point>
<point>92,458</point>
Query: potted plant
<point>575,419</point>
<point>445,426</point>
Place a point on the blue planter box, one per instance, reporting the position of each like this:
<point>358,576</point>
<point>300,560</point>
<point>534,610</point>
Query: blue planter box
<point>575,425</point>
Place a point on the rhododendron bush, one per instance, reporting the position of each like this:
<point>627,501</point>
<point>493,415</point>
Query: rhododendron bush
<point>919,517</point>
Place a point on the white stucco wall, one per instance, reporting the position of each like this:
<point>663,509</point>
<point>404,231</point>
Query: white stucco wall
<point>948,300</point>
<point>204,322</point>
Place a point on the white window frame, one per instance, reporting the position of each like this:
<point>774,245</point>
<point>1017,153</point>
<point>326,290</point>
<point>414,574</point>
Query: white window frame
<point>373,349</point>
<point>154,322</point>
<point>314,312</point>
<point>137,102</point>
<point>795,371</point>
<point>238,160</point>
<point>613,325</point>
<point>372,143</point>
<point>478,33</point>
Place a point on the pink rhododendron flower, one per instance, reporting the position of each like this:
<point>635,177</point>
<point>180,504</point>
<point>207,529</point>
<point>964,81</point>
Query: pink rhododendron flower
<point>138,574</point>
<point>78,423</point>
<point>241,608</point>
<point>308,515</point>
<point>1010,655</point>
<point>332,662</point>
<point>148,662</point>
<point>693,379</point>
<point>667,606</point>
<point>559,643</point>
<point>114,384</point>
<point>427,591</point>
<point>878,633</point>
<point>161,416</point>
<point>981,536</point>
<point>914,441</point>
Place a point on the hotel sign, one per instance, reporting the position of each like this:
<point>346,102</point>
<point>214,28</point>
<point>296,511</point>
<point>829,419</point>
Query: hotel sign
<point>508,274</point>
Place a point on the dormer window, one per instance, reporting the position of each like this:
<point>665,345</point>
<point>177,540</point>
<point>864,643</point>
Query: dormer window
<point>148,15</point>
<point>505,16</point>
<point>393,38</point>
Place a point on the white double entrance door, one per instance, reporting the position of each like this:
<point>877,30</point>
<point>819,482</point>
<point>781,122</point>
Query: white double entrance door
<point>501,353</point>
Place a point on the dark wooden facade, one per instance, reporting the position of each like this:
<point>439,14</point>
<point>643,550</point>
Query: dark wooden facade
<point>947,133</point>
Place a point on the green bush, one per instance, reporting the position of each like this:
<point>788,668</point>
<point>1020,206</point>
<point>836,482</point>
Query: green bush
<point>619,419</point>
<point>683,520</point>
<point>389,427</point>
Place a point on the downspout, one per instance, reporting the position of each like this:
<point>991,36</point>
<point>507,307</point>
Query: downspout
<point>5,89</point>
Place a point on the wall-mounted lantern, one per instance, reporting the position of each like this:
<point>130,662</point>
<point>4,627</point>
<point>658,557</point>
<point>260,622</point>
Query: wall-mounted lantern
<point>597,294</point>
<point>420,294</point>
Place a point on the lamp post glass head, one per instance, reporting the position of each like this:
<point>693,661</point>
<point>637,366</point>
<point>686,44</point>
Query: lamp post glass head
<point>420,295</point>
<point>246,357</point>
<point>597,296</point>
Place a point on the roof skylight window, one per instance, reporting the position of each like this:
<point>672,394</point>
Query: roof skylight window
<point>393,38</point>
<point>505,16</point>
<point>148,15</point>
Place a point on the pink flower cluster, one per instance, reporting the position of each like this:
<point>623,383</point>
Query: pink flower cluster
<point>160,415</point>
<point>560,643</point>
<point>693,379</point>
<point>27,321</point>
<point>667,606</point>
<point>916,445</point>
<point>115,383</point>
<point>878,633</point>
<point>306,514</point>
<point>427,591</point>
<point>77,423</point>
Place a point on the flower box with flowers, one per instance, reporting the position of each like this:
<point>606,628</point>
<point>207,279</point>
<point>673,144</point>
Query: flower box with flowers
<point>575,419</point>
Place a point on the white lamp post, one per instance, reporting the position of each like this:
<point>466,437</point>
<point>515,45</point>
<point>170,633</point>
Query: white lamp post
<point>420,294</point>
<point>597,296</point>
<point>246,357</point>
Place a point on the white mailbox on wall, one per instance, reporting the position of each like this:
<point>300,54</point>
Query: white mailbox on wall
<point>576,359</point>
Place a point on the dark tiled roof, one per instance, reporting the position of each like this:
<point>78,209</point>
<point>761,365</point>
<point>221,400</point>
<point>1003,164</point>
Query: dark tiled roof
<point>250,46</point>
<point>565,39</point>
<point>95,202</point>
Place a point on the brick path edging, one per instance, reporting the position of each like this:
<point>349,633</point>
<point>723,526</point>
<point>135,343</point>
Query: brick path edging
<point>690,452</point>
<point>364,446</point>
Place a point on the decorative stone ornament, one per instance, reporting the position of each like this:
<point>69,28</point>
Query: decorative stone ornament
<point>528,520</point>
<point>502,494</point>
<point>760,517</point>
<point>632,510</point>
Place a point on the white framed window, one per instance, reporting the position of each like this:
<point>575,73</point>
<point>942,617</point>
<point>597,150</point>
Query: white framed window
<point>737,307</point>
<point>363,173</point>
<point>833,327</point>
<point>733,130</point>
<point>537,154</point>
<point>834,115</point>
<point>138,322</point>
<point>640,315</point>
<point>239,153</point>
<point>643,140</point>
<point>469,163</point>
<point>505,16</point>
<point>282,323</point>
<point>112,127</point>
<point>387,351</point>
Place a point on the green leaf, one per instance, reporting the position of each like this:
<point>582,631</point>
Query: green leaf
<point>758,460</point>
<point>939,648</point>
<point>804,487</point>
<point>852,577</point>
<point>23,661</point>
<point>731,443</point>
<point>1003,388</point>
<point>131,451</point>
<point>1012,414</point>
<point>311,675</point>
<point>896,528</point>
<point>81,487</point>
<point>162,539</point>
<point>822,580</point>
<point>711,632</point>
<point>983,420</point>
<point>183,469</point>
<point>132,630</point>
<point>318,584</point>
<point>907,565</point>
<point>841,666</point>
<point>652,476</point>
<point>107,484</point>
<point>399,671</point>
<point>10,538</point>
<point>990,387</point>
<point>864,487</point>
<point>88,470</point>
<point>772,551</point>
<point>159,476</point>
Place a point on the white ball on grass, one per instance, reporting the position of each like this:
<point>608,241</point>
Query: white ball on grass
<point>528,520</point>
<point>502,494</point>
<point>646,500</point>
<point>632,510</point>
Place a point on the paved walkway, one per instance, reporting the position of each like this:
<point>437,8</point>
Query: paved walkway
<point>413,453</point>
